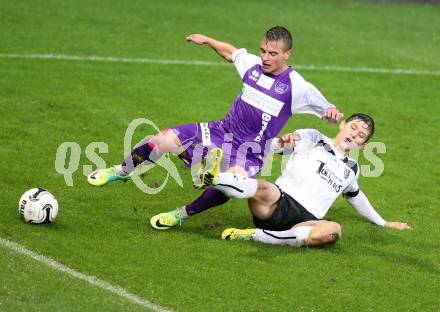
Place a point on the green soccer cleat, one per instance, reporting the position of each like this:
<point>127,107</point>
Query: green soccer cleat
<point>232,234</point>
<point>210,169</point>
<point>164,221</point>
<point>101,177</point>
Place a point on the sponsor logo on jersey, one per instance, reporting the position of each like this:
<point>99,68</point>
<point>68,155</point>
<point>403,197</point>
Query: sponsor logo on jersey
<point>262,101</point>
<point>280,87</point>
<point>265,118</point>
<point>328,176</point>
<point>346,173</point>
<point>254,75</point>
<point>206,134</point>
<point>265,82</point>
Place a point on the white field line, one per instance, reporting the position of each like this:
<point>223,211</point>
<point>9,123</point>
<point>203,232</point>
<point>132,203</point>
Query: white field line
<point>121,292</point>
<point>50,56</point>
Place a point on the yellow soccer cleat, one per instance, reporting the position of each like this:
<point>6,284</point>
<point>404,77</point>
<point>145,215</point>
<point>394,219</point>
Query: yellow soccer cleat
<point>210,169</point>
<point>101,177</point>
<point>237,234</point>
<point>164,221</point>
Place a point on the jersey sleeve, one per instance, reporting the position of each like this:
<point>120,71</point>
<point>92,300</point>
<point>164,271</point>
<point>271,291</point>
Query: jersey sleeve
<point>308,140</point>
<point>311,135</point>
<point>243,61</point>
<point>362,205</point>
<point>306,98</point>
<point>275,146</point>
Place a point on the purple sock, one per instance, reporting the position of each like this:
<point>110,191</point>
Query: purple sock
<point>210,198</point>
<point>140,154</point>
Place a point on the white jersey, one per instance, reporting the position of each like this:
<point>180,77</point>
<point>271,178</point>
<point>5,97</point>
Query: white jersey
<point>316,173</point>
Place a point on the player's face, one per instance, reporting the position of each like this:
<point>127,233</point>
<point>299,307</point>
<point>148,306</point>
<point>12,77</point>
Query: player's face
<point>274,56</point>
<point>352,134</point>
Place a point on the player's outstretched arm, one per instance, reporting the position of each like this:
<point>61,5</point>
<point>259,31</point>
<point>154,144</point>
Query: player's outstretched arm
<point>223,49</point>
<point>362,205</point>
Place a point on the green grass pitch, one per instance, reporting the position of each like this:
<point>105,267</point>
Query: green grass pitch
<point>104,232</point>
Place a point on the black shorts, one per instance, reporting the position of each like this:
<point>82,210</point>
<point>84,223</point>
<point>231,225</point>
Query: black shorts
<point>288,213</point>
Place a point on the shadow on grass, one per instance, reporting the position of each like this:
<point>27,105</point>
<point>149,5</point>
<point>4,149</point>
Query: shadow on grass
<point>250,249</point>
<point>360,239</point>
<point>404,259</point>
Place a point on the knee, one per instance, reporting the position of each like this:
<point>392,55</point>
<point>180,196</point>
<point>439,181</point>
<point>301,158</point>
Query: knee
<point>326,233</point>
<point>238,170</point>
<point>333,227</point>
<point>164,141</point>
<point>161,138</point>
<point>335,231</point>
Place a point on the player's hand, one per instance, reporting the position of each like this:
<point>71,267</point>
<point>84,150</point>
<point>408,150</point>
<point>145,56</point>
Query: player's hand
<point>288,141</point>
<point>333,115</point>
<point>197,38</point>
<point>397,225</point>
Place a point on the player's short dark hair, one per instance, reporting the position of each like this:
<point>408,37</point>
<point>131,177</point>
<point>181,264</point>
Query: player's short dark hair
<point>279,33</point>
<point>366,119</point>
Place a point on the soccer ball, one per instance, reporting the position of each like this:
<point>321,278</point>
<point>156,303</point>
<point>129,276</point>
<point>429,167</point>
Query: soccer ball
<point>37,206</point>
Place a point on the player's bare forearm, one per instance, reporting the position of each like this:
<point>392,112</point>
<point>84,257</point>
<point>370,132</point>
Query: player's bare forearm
<point>397,225</point>
<point>223,49</point>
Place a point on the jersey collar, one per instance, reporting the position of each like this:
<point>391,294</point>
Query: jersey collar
<point>329,147</point>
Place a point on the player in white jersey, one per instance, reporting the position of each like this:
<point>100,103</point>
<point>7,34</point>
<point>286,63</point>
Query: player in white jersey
<point>291,210</point>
